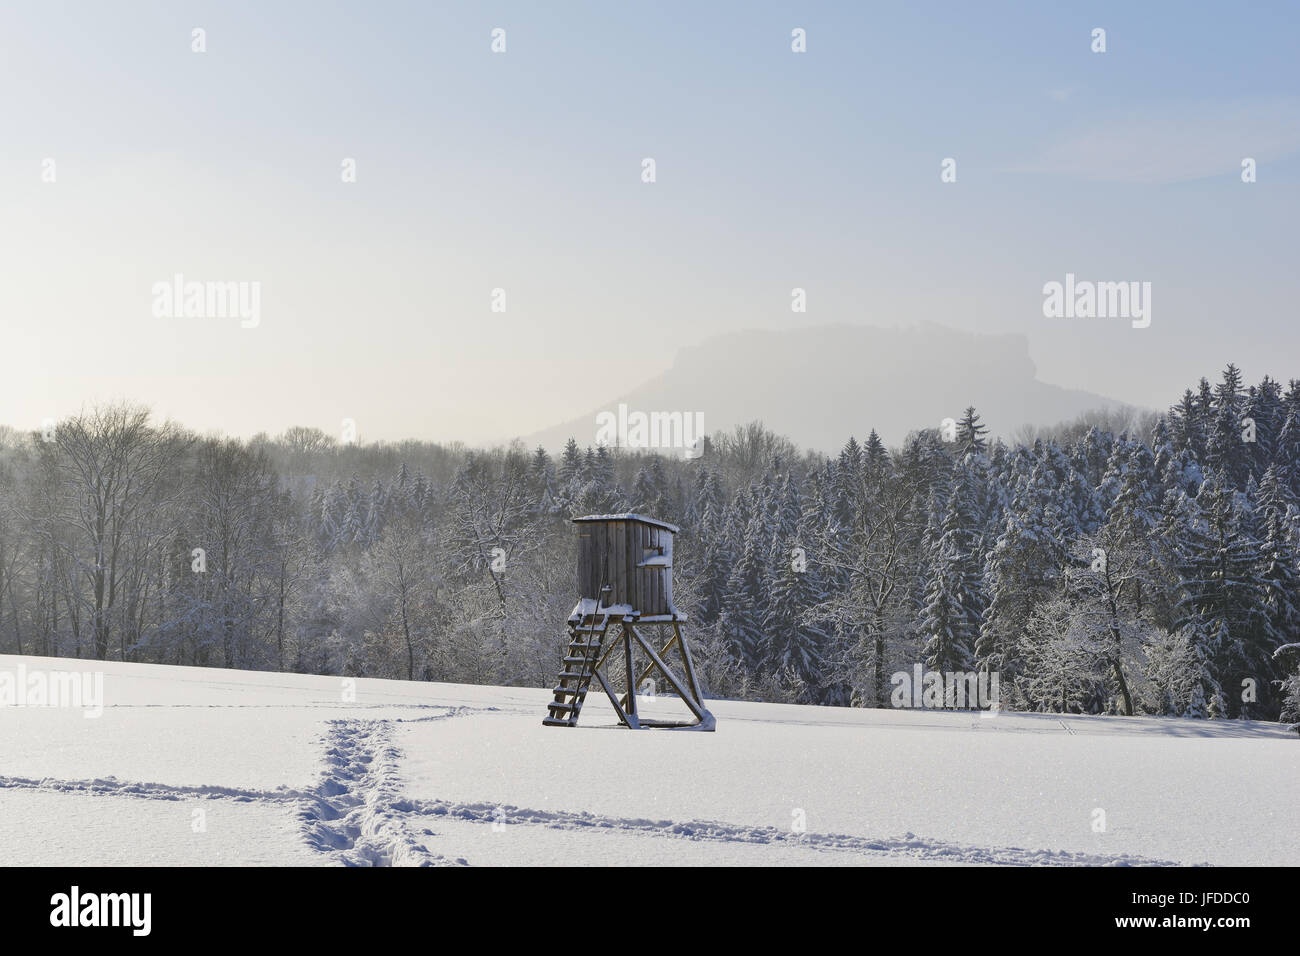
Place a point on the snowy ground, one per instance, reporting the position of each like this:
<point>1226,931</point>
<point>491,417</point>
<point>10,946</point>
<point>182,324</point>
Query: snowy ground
<point>192,766</point>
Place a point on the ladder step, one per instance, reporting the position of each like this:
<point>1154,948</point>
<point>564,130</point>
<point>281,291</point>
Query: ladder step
<point>586,634</point>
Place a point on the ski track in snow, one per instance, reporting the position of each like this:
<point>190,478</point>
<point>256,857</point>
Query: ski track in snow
<point>909,845</point>
<point>111,786</point>
<point>358,814</point>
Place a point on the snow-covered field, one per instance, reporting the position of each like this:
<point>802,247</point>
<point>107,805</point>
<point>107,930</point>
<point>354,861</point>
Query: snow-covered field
<point>190,766</point>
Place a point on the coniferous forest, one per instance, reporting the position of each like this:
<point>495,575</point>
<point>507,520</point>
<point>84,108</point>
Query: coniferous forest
<point>1119,564</point>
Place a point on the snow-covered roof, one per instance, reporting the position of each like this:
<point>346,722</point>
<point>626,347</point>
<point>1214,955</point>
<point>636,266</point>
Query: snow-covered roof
<point>630,517</point>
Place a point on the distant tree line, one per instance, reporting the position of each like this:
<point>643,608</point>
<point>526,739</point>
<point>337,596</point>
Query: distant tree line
<point>1107,566</point>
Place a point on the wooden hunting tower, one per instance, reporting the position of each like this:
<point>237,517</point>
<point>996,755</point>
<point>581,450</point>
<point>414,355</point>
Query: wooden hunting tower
<point>625,587</point>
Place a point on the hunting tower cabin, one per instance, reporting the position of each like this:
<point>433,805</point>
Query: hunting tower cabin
<point>633,555</point>
<point>625,591</point>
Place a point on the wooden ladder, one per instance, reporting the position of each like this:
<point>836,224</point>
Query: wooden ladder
<point>586,640</point>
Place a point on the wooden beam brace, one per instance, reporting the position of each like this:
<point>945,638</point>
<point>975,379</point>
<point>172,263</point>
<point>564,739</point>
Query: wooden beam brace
<point>605,648</point>
<point>682,692</point>
<point>627,667</point>
<point>622,714</point>
<point>690,664</point>
<point>649,669</point>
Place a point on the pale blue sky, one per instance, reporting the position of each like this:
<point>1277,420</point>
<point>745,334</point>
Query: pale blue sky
<point>522,171</point>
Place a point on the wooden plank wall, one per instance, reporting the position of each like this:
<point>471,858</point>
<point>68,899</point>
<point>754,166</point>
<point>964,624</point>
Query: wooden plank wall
<point>609,552</point>
<point>653,577</point>
<point>619,578</point>
<point>586,551</point>
<point>667,575</point>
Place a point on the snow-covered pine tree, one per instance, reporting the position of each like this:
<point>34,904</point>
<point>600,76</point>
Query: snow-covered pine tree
<point>1205,410</point>
<point>1222,597</point>
<point>1263,407</point>
<point>1286,452</point>
<point>541,482</point>
<point>710,498</point>
<point>787,510</point>
<point>644,493</point>
<point>745,604</point>
<point>318,517</point>
<point>1225,451</point>
<point>1162,446</point>
<point>792,643</point>
<point>950,632</point>
<point>570,467</point>
<point>353,529</point>
<point>1092,454</point>
<point>875,456</point>
<point>377,509</point>
<point>954,600</point>
<point>970,433</point>
<point>1023,570</point>
<point>1129,536</point>
<point>847,487</point>
<point>710,555</point>
<point>1280,573</point>
<point>1187,425</point>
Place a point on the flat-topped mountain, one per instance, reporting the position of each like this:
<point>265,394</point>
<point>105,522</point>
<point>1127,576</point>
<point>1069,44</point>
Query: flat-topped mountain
<point>820,385</point>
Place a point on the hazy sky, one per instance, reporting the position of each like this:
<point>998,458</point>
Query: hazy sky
<point>522,171</point>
